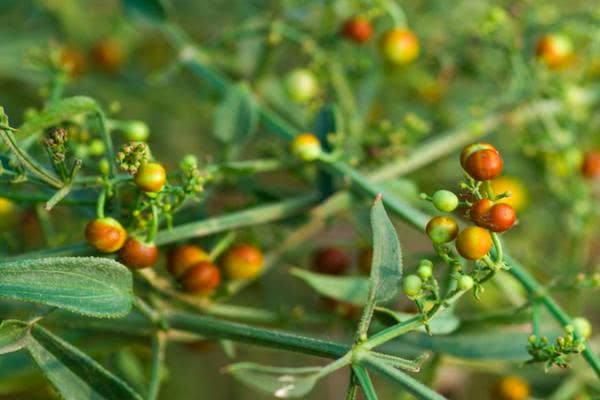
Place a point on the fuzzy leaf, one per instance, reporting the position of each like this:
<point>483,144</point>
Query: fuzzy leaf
<point>91,286</point>
<point>351,289</point>
<point>236,118</point>
<point>74,374</point>
<point>282,383</point>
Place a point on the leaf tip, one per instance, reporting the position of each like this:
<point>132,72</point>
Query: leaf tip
<point>378,198</point>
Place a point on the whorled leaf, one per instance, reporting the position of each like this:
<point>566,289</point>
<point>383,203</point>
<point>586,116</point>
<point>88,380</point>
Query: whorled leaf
<point>351,289</point>
<point>74,374</point>
<point>282,383</point>
<point>442,323</point>
<point>92,286</point>
<point>236,118</point>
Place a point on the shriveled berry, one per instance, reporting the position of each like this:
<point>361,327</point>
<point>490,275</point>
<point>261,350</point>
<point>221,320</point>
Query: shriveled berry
<point>444,200</point>
<point>511,388</point>
<point>106,235</point>
<point>555,50</point>
<point>484,165</point>
<point>473,242</point>
<point>399,46</point>
<point>306,147</point>
<point>590,168</point>
<point>202,278</point>
<point>358,29</point>
<point>412,285</point>
<point>182,258</point>
<point>243,261</point>
<point>442,229</point>
<point>151,177</point>
<point>136,254</point>
<point>331,261</point>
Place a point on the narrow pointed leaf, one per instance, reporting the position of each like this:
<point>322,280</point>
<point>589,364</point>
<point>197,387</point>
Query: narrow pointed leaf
<point>13,336</point>
<point>74,374</point>
<point>351,289</point>
<point>91,286</point>
<point>365,382</point>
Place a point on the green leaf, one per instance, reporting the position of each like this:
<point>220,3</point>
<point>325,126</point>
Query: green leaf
<point>386,266</point>
<point>365,382</point>
<point>56,113</point>
<point>92,286</point>
<point>13,336</point>
<point>282,383</point>
<point>236,118</point>
<point>351,289</point>
<point>442,323</point>
<point>74,374</point>
<point>148,10</point>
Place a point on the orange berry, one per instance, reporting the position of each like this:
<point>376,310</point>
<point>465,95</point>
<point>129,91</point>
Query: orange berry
<point>511,388</point>
<point>151,177</point>
<point>182,258</point>
<point>136,254</point>
<point>243,261</point>
<point>202,278</point>
<point>555,50</point>
<point>591,164</point>
<point>442,229</point>
<point>399,46</point>
<point>106,235</point>
<point>473,242</point>
<point>358,29</point>
<point>109,54</point>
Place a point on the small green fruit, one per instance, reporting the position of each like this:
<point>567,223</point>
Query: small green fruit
<point>445,200</point>
<point>412,285</point>
<point>582,327</point>
<point>465,282</point>
<point>425,271</point>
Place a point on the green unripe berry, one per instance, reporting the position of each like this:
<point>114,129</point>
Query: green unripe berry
<point>188,161</point>
<point>465,282</point>
<point>104,166</point>
<point>137,131</point>
<point>425,271</point>
<point>302,85</point>
<point>442,229</point>
<point>582,327</point>
<point>96,148</point>
<point>445,200</point>
<point>306,147</point>
<point>412,285</point>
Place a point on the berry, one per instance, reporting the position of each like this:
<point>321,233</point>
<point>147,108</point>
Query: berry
<point>582,327</point>
<point>301,85</point>
<point>495,217</point>
<point>479,211</point>
<point>442,229</point>
<point>591,164</point>
<point>465,282</point>
<point>73,61</point>
<point>471,149</point>
<point>243,261</point>
<point>412,285</point>
<point>151,177</point>
<point>473,242</point>
<point>425,270</point>
<point>106,235</point>
<point>202,278</point>
<point>182,258</point>
<point>306,147</point>
<point>358,29</point>
<point>445,200</point>
<point>518,198</point>
<point>511,388</point>
<point>108,54</point>
<point>399,46</point>
<point>484,165</point>
<point>331,261</point>
<point>137,255</point>
<point>555,50</point>
<point>136,131</point>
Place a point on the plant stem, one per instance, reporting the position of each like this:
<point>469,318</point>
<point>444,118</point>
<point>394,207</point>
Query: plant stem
<point>365,382</point>
<point>393,331</point>
<point>159,345</point>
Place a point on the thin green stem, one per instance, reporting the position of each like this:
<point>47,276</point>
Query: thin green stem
<point>535,317</point>
<point>393,331</point>
<point>159,346</point>
<point>57,197</point>
<point>223,244</point>
<point>365,382</point>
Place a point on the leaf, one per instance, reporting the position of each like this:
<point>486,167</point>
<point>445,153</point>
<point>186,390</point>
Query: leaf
<point>74,374</point>
<point>351,289</point>
<point>56,113</point>
<point>148,10</point>
<point>13,336</point>
<point>92,286</point>
<point>365,382</point>
<point>236,118</point>
<point>442,323</point>
<point>282,383</point>
<point>386,265</point>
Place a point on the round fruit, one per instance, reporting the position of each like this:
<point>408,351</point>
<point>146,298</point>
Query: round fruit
<point>501,217</point>
<point>358,29</point>
<point>306,147</point>
<point>479,211</point>
<point>74,61</point>
<point>137,255</point>
<point>106,235</point>
<point>425,270</point>
<point>484,165</point>
<point>473,242</point>
<point>442,229</point>
<point>182,258</point>
<point>445,200</point>
<point>591,164</point>
<point>555,50</point>
<point>399,46</point>
<point>331,261</point>
<point>412,285</point>
<point>582,327</point>
<point>109,54</point>
<point>201,278</point>
<point>151,177</point>
<point>365,257</point>
<point>302,85</point>
<point>136,131</point>
<point>511,388</point>
<point>519,197</point>
<point>465,282</point>
<point>469,150</point>
<point>243,261</point>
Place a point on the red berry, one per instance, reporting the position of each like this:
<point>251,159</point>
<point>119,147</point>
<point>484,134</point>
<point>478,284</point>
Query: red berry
<point>243,261</point>
<point>358,29</point>
<point>137,255</point>
<point>484,165</point>
<point>501,217</point>
<point>479,211</point>
<point>331,261</point>
<point>201,278</point>
<point>182,258</point>
<point>107,235</point>
<point>472,148</point>
<point>473,242</point>
<point>591,164</point>
<point>151,177</point>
